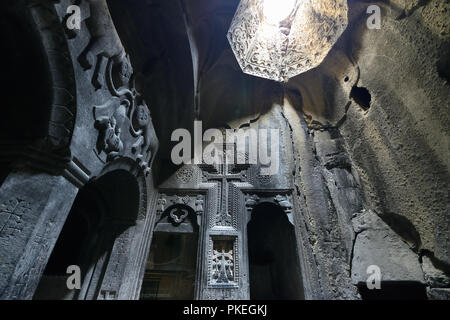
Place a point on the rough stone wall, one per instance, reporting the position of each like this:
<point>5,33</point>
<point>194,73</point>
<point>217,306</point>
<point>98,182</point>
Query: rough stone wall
<point>369,130</point>
<point>401,143</point>
<point>326,195</point>
<point>385,95</point>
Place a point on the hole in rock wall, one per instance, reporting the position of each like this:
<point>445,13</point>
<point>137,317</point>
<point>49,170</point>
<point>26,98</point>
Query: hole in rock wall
<point>361,96</point>
<point>443,68</point>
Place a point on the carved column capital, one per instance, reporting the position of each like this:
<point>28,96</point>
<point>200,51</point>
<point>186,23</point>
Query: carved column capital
<point>251,201</point>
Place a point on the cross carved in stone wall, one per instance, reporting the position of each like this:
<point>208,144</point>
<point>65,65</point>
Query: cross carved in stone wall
<point>224,177</point>
<point>223,265</point>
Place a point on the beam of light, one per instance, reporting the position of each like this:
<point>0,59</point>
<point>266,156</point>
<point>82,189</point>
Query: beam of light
<point>276,11</point>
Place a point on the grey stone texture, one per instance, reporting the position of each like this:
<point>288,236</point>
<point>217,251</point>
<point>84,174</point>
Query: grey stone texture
<point>364,155</point>
<point>33,210</point>
<point>94,122</point>
<point>376,244</point>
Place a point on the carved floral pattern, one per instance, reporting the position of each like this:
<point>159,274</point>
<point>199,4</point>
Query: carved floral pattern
<point>283,50</point>
<point>185,174</point>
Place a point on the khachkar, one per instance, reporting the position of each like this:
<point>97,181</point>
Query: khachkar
<point>223,197</point>
<point>96,123</point>
<point>226,276</point>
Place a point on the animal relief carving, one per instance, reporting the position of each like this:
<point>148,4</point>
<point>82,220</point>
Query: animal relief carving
<point>109,138</point>
<point>123,121</point>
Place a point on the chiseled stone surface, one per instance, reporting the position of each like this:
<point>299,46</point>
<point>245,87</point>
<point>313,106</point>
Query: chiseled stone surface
<point>364,157</point>
<point>33,209</point>
<point>279,50</point>
<point>92,121</point>
<point>376,244</point>
<point>388,93</point>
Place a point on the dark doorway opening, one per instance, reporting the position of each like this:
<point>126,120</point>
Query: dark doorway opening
<point>273,257</point>
<point>88,235</point>
<point>171,266</point>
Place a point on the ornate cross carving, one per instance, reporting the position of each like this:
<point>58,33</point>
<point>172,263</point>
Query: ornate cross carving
<point>223,176</point>
<point>223,266</point>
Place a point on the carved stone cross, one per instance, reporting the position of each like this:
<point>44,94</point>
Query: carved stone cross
<point>224,177</point>
<point>223,266</point>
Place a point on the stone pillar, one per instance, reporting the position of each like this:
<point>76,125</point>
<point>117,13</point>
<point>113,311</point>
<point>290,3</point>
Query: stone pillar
<point>33,209</point>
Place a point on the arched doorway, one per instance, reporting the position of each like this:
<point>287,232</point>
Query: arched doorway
<point>103,209</point>
<point>171,265</point>
<point>273,257</point>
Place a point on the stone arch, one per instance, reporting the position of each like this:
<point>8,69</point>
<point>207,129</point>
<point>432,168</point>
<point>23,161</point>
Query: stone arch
<point>107,212</point>
<point>56,159</point>
<point>129,165</point>
<point>171,271</point>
